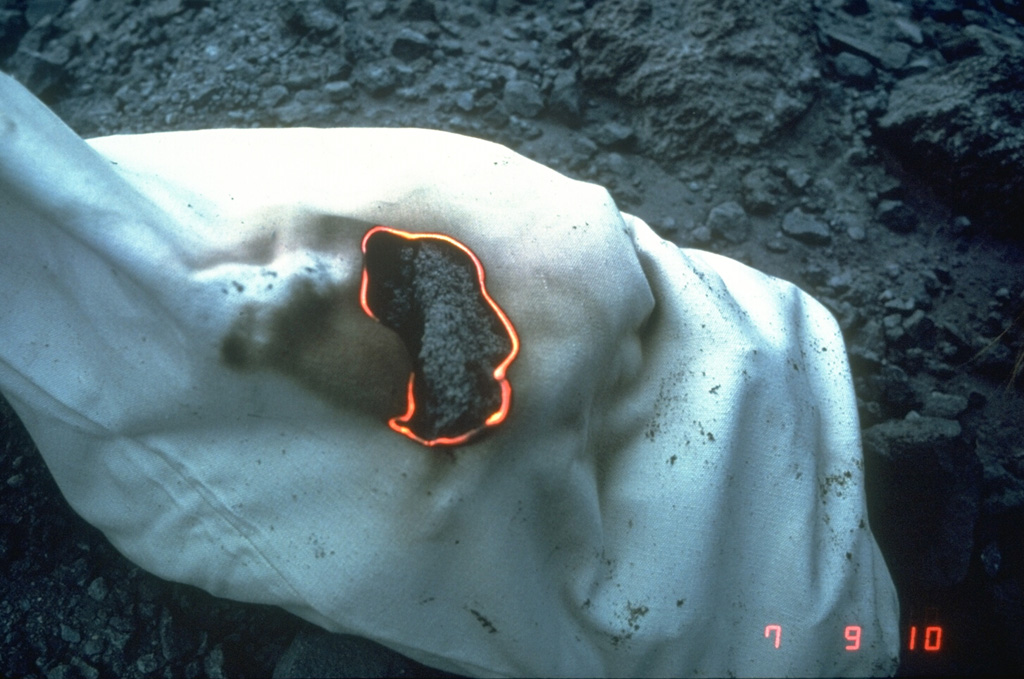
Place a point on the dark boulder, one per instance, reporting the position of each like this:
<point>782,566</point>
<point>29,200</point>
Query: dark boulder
<point>960,127</point>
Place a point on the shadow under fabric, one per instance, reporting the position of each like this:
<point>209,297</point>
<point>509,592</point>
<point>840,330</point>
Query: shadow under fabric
<point>680,466</point>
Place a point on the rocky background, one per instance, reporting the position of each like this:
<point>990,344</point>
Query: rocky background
<point>871,151</point>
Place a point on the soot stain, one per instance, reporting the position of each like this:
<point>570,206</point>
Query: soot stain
<point>321,338</point>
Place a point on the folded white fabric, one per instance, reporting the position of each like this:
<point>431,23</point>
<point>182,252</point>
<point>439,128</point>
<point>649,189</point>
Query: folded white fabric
<point>677,488</point>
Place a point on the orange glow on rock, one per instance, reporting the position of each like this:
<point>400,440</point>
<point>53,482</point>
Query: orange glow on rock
<point>403,423</point>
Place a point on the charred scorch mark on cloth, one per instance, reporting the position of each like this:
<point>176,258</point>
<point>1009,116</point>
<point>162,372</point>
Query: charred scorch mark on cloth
<point>318,336</point>
<point>429,289</point>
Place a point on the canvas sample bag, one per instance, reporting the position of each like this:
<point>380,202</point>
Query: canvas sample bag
<point>665,478</point>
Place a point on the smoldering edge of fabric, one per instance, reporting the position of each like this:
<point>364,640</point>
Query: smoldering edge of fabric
<point>427,292</point>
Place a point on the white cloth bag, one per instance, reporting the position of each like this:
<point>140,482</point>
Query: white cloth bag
<point>677,489</point>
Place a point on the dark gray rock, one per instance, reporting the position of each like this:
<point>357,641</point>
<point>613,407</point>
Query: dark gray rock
<point>465,101</point>
<point>959,126</point>
<point>378,78</point>
<point>1004,491</point>
<point>798,177</point>
<point>953,342</point>
<point>495,116</point>
<point>924,485</point>
<point>618,166</point>
<point>37,10</point>
<point>667,226</point>
<point>93,646</point>
<point>893,389</point>
<point>948,406</point>
<point>1013,8</point>
<point>84,670</point>
<point>806,228</point>
<point>340,90</point>
<point>565,100</point>
<point>920,330</point>
<point>213,663</point>
<point>70,634</point>
<point>12,27</point>
<point>909,31</point>
<point>855,70</point>
<point>41,60</point>
<point>147,664</point>
<point>943,10</point>
<point>701,235</point>
<point>814,274</point>
<point>613,135</point>
<point>318,653</point>
<point>609,46</point>
<point>176,640</point>
<point>62,671</point>
<point>761,191</point>
<point>418,10</point>
<point>896,216</point>
<point>467,16</point>
<point>667,63</point>
<point>118,633</point>
<point>410,45</point>
<point>273,96</point>
<point>959,43</point>
<point>522,98</point>
<point>309,18</point>
<point>292,113</point>
<point>878,48</point>
<point>165,9</point>
<point>583,146</point>
<point>729,221</point>
<point>856,7</point>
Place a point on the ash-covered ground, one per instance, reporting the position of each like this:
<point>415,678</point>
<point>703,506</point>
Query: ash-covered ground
<point>871,151</point>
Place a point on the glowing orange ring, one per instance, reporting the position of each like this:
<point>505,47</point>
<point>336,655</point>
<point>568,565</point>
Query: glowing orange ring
<point>399,422</point>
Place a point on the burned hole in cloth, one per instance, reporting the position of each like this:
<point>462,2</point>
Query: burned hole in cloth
<point>429,289</point>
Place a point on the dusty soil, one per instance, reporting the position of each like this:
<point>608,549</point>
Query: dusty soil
<point>871,151</point>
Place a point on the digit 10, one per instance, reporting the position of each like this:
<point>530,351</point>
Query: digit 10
<point>932,638</point>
